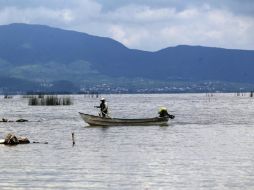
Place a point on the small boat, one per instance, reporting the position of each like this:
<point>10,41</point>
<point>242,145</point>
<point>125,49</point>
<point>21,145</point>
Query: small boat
<point>106,121</point>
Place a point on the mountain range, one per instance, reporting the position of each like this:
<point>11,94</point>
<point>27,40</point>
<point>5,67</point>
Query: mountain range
<point>33,57</point>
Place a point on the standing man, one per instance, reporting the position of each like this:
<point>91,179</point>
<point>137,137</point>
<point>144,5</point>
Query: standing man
<point>103,107</point>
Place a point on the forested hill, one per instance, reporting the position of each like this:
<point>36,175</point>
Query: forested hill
<point>42,53</point>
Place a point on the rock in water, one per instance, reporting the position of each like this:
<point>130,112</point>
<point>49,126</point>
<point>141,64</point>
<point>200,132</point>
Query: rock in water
<point>11,139</point>
<point>23,140</point>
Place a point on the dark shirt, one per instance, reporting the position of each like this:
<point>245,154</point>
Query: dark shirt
<point>104,109</point>
<point>164,113</point>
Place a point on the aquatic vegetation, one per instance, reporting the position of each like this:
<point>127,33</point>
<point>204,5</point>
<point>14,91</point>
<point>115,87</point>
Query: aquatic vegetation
<point>49,100</point>
<point>6,96</point>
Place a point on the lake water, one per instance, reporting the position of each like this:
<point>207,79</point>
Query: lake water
<point>209,145</point>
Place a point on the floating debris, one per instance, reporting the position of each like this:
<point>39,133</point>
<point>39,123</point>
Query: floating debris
<point>22,120</point>
<point>36,142</point>
<point>4,120</point>
<point>18,120</point>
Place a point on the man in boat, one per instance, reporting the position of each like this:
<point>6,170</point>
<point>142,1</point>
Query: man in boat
<point>163,112</point>
<point>103,107</point>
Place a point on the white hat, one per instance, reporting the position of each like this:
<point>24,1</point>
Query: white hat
<point>103,99</point>
<point>163,108</point>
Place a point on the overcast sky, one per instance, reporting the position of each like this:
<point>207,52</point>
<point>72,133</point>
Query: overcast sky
<point>144,24</point>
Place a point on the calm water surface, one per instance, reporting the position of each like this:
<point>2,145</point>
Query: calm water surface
<point>209,145</point>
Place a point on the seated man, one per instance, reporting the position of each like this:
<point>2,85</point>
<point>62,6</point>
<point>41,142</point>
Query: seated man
<point>164,113</point>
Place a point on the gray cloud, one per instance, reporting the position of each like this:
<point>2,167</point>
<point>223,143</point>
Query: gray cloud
<point>144,24</point>
<point>36,3</point>
<point>236,6</point>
